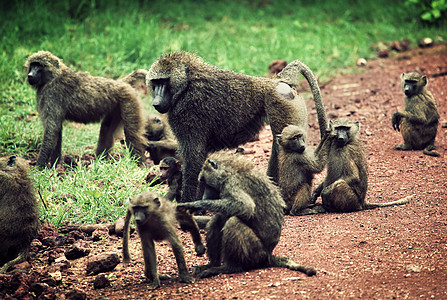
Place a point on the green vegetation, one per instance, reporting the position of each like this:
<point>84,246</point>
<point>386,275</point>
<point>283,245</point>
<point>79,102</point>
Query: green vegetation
<point>112,38</point>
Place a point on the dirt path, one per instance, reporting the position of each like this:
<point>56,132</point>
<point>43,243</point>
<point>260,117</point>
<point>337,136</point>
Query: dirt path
<point>394,252</point>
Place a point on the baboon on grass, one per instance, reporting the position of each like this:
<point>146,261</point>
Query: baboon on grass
<point>19,212</point>
<point>249,215</point>
<point>63,94</point>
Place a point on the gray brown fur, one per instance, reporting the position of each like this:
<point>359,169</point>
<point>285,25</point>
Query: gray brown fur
<point>19,212</point>
<point>161,141</point>
<point>419,120</point>
<point>248,217</point>
<point>297,166</point>
<point>211,109</point>
<point>156,218</point>
<point>63,94</point>
<point>344,188</point>
<point>137,80</point>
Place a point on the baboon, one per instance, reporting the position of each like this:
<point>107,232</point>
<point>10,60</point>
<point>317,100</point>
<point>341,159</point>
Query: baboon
<point>155,218</point>
<point>210,109</point>
<point>346,182</point>
<point>297,166</point>
<point>137,80</point>
<point>161,141</point>
<point>63,94</point>
<point>249,214</point>
<point>19,212</point>
<point>418,122</point>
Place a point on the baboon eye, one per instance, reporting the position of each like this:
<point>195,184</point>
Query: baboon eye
<point>213,163</point>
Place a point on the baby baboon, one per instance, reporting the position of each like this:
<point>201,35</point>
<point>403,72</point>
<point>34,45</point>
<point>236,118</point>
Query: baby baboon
<point>249,215</point>
<point>419,120</point>
<point>19,212</point>
<point>155,218</point>
<point>211,109</point>
<point>161,141</point>
<point>63,94</point>
<point>297,166</point>
<point>346,182</point>
<point>171,171</point>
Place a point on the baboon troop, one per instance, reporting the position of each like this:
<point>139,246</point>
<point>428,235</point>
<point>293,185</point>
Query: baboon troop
<point>63,94</point>
<point>346,182</point>
<point>161,141</point>
<point>418,122</point>
<point>19,212</point>
<point>249,214</point>
<point>211,109</point>
<point>155,218</point>
<point>297,166</point>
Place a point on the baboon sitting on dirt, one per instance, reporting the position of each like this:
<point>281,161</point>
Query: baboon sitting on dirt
<point>63,94</point>
<point>418,122</point>
<point>346,182</point>
<point>249,215</point>
<point>19,212</point>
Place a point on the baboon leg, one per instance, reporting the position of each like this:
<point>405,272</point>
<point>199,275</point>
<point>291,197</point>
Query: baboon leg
<point>340,197</point>
<point>187,223</point>
<point>108,127</point>
<point>213,242</point>
<point>56,155</point>
<point>23,255</point>
<point>133,125</point>
<point>150,261</point>
<point>177,248</point>
<point>50,143</point>
<point>301,199</point>
<point>192,164</point>
<point>272,169</point>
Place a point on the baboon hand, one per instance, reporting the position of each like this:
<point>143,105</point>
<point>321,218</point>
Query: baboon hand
<point>192,206</point>
<point>396,121</point>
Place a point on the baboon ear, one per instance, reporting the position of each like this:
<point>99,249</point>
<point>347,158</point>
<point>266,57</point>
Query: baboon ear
<point>157,202</point>
<point>213,163</point>
<point>12,161</point>
<point>402,75</point>
<point>424,80</point>
<point>357,123</point>
<point>278,139</point>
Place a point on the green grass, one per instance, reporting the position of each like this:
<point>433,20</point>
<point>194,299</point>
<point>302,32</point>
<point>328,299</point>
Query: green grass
<point>112,38</point>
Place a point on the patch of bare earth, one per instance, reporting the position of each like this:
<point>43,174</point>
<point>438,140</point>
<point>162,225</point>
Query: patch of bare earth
<point>385,253</point>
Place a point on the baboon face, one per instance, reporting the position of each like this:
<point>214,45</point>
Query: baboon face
<point>36,75</point>
<point>154,128</point>
<point>143,206</point>
<point>412,83</point>
<point>41,67</point>
<point>5,164</point>
<point>211,177</point>
<point>343,131</point>
<point>293,139</point>
<point>168,167</point>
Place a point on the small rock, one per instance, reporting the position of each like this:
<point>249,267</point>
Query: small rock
<point>76,235</point>
<point>101,281</point>
<point>361,62</point>
<point>100,233</point>
<point>76,295</point>
<point>413,268</point>
<point>102,263</point>
<point>383,53</point>
<point>425,42</point>
<point>77,250</point>
<point>47,229</point>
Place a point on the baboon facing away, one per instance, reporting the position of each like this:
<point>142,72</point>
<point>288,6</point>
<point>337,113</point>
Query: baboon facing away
<point>346,182</point>
<point>155,218</point>
<point>297,166</point>
<point>211,109</point>
<point>63,94</point>
<point>161,141</point>
<point>249,214</point>
<point>19,212</point>
<point>418,122</point>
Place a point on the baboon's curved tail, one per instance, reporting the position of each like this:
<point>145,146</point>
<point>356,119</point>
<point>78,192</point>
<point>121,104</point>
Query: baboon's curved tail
<point>290,74</point>
<point>283,262</point>
<point>397,202</point>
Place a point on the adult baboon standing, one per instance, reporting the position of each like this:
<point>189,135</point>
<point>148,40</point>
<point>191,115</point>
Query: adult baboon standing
<point>211,109</point>
<point>63,94</point>
<point>419,120</point>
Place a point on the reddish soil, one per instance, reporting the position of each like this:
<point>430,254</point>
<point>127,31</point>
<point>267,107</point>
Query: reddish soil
<point>385,253</point>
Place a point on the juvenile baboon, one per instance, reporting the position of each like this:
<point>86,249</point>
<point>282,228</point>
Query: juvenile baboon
<point>249,215</point>
<point>19,212</point>
<point>419,120</point>
<point>161,141</point>
<point>297,166</point>
<point>346,182</point>
<point>211,109</point>
<point>63,94</point>
<point>155,218</point>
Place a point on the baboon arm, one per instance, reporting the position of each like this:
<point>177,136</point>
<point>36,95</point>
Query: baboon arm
<point>166,143</point>
<point>316,193</point>
<point>126,255</point>
<point>227,206</point>
<point>418,118</point>
<point>52,133</point>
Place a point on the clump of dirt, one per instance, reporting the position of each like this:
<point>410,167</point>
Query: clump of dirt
<point>392,252</point>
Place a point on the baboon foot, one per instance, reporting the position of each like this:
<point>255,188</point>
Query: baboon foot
<point>164,277</point>
<point>311,210</point>
<point>224,269</point>
<point>403,147</point>
<point>186,278</point>
<point>155,284</point>
<point>430,150</point>
<point>202,268</point>
<point>200,249</point>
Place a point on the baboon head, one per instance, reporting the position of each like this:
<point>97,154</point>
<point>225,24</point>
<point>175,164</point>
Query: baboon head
<point>168,167</point>
<point>42,67</point>
<point>413,83</point>
<point>293,139</point>
<point>344,131</point>
<point>144,206</point>
<point>154,128</point>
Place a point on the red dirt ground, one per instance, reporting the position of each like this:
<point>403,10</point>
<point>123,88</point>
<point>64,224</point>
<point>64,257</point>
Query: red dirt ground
<point>385,253</point>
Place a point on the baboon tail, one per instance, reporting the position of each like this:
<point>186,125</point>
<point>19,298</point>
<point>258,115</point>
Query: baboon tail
<point>397,202</point>
<point>283,262</point>
<point>290,74</point>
